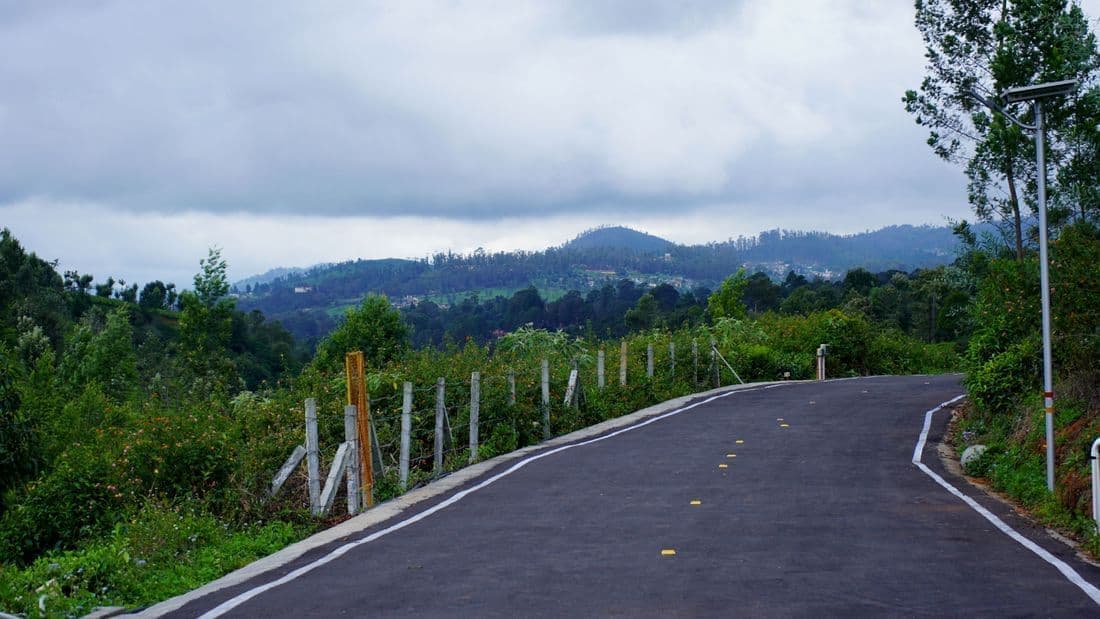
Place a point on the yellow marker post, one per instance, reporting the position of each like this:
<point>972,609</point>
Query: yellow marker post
<point>668,552</point>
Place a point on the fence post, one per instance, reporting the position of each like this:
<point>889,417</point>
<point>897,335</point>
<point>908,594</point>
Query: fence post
<point>714,362</point>
<point>695,362</point>
<point>313,462</point>
<point>649,360</point>
<point>511,387</point>
<point>406,431</point>
<point>622,364</point>
<point>601,380</point>
<point>672,359</point>
<point>351,436</point>
<point>475,410</point>
<point>545,399</point>
<point>440,411</point>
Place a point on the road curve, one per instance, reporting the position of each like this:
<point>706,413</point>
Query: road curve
<point>797,500</point>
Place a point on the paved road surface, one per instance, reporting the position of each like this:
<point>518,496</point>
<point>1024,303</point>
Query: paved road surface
<point>809,505</point>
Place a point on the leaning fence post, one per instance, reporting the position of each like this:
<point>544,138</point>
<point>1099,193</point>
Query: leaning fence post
<point>649,360</point>
<point>622,364</point>
<point>475,409</point>
<point>440,411</point>
<point>601,380</point>
<point>406,431</point>
<point>714,362</point>
<point>351,436</point>
<point>313,461</point>
<point>545,399</point>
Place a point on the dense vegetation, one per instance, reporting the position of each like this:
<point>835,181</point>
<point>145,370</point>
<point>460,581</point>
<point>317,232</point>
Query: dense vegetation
<point>138,441</point>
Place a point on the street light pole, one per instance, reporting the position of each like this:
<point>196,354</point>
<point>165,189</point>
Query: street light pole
<point>1036,94</point>
<point>1044,283</point>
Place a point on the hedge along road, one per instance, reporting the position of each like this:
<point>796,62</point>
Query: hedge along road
<point>797,500</point>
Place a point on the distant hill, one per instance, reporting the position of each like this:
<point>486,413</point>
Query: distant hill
<point>308,301</point>
<point>273,274</point>
<point>620,237</point>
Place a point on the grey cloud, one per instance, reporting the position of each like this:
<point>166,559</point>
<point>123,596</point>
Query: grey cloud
<point>440,109</point>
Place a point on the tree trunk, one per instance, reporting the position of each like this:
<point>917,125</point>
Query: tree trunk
<point>1014,201</point>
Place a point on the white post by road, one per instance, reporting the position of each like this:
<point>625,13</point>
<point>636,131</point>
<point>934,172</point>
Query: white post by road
<point>313,460</point>
<point>1094,455</point>
<point>475,409</point>
<point>622,364</point>
<point>351,436</point>
<point>406,431</point>
<point>440,411</point>
<point>601,380</point>
<point>545,399</point>
<point>649,360</point>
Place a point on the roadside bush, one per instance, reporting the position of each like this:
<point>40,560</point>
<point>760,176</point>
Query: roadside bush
<point>81,497</point>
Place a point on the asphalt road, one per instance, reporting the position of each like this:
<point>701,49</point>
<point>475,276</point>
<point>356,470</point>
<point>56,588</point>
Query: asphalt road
<point>796,501</point>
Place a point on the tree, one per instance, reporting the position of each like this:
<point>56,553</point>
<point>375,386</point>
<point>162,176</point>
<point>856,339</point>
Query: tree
<point>375,328</point>
<point>212,284</point>
<point>206,319</point>
<point>726,302</point>
<point>154,296</point>
<point>988,46</point>
<point>644,315</point>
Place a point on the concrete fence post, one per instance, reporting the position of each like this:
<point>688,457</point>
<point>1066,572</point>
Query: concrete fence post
<point>475,409</point>
<point>622,364</point>
<point>406,433</point>
<point>440,413</point>
<point>601,380</point>
<point>672,359</point>
<point>545,399</point>
<point>351,437</point>
<point>313,460</point>
<point>649,360</point>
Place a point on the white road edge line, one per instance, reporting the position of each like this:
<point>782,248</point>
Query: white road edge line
<point>1067,571</point>
<point>241,598</point>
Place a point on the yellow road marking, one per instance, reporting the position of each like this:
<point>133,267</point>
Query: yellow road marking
<point>696,502</point>
<point>740,441</point>
<point>731,455</point>
<point>667,552</point>
<point>723,466</point>
<point>784,425</point>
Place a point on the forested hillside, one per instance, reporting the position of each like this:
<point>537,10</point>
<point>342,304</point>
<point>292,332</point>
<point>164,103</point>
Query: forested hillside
<point>309,302</point>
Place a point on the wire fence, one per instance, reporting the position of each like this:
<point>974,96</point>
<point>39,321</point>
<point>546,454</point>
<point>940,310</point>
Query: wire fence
<point>421,430</point>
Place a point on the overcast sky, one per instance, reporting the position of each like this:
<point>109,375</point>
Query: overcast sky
<point>136,134</point>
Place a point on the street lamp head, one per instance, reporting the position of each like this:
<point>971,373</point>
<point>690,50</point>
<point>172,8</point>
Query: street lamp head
<point>1040,91</point>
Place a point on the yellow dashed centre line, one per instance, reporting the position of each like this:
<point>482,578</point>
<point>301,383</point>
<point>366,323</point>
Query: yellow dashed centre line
<point>784,425</point>
<point>696,502</point>
<point>723,466</point>
<point>740,441</point>
<point>668,552</point>
<point>731,455</point>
